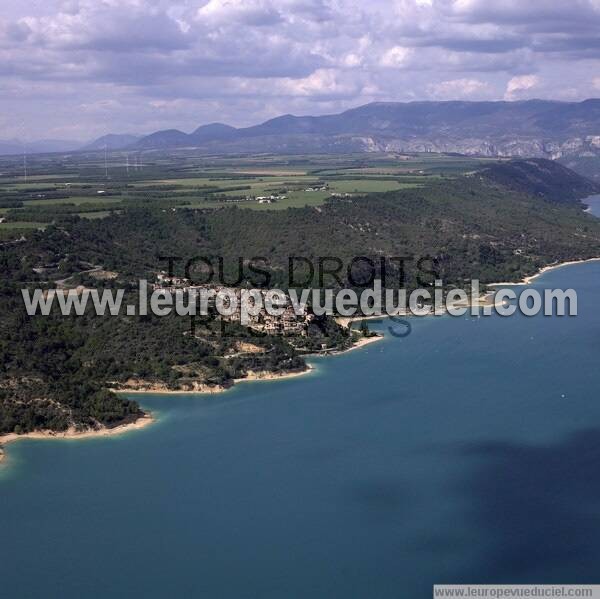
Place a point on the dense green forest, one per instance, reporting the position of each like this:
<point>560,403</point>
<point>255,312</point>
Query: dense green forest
<point>493,224</point>
<point>477,225</point>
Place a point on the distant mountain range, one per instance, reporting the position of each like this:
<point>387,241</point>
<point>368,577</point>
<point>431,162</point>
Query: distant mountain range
<point>111,142</point>
<point>46,146</point>
<point>533,128</point>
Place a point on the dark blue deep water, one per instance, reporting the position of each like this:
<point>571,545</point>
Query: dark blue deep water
<point>468,451</point>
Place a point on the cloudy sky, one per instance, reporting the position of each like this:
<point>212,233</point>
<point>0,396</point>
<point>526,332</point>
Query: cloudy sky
<point>77,69</point>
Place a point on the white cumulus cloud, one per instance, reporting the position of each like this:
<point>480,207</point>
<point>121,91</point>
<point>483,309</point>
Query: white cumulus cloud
<point>181,63</point>
<point>458,88</point>
<point>517,85</point>
<point>395,57</point>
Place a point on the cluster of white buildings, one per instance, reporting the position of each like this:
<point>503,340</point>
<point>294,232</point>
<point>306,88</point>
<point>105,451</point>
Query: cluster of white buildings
<point>288,323</point>
<point>292,320</point>
<point>270,199</point>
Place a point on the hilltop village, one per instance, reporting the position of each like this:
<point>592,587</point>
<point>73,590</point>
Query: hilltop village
<point>289,321</point>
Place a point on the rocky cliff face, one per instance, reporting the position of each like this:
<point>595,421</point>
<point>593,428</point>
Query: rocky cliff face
<point>535,128</point>
<point>517,146</point>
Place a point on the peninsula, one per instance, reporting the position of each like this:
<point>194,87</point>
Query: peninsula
<point>67,376</point>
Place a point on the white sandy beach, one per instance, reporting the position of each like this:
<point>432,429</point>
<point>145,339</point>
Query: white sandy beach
<point>543,270</point>
<point>74,434</point>
<point>359,343</point>
<point>265,375</point>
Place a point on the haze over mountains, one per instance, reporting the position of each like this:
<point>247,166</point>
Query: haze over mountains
<point>533,128</point>
<point>42,146</point>
<point>112,141</point>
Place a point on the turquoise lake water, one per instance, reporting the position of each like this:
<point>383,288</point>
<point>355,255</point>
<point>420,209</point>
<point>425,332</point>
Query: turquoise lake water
<point>467,452</point>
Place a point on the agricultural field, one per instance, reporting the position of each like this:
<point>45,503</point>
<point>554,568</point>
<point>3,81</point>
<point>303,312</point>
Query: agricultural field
<point>15,230</point>
<point>21,225</point>
<point>92,185</point>
<point>77,201</point>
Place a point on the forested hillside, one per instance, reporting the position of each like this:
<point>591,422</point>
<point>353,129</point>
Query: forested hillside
<point>498,224</point>
<point>549,180</point>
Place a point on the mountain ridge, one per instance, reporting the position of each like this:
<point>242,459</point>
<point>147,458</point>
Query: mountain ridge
<point>531,128</point>
<point>111,141</point>
<point>528,128</point>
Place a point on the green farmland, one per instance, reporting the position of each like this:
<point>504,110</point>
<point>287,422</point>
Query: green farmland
<point>79,185</point>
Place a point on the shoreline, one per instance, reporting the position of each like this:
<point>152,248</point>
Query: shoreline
<point>150,388</point>
<point>486,298</point>
<point>362,342</point>
<point>204,389</point>
<point>74,435</point>
<point>265,375</point>
<point>528,279</point>
<point>252,376</point>
<point>358,344</point>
